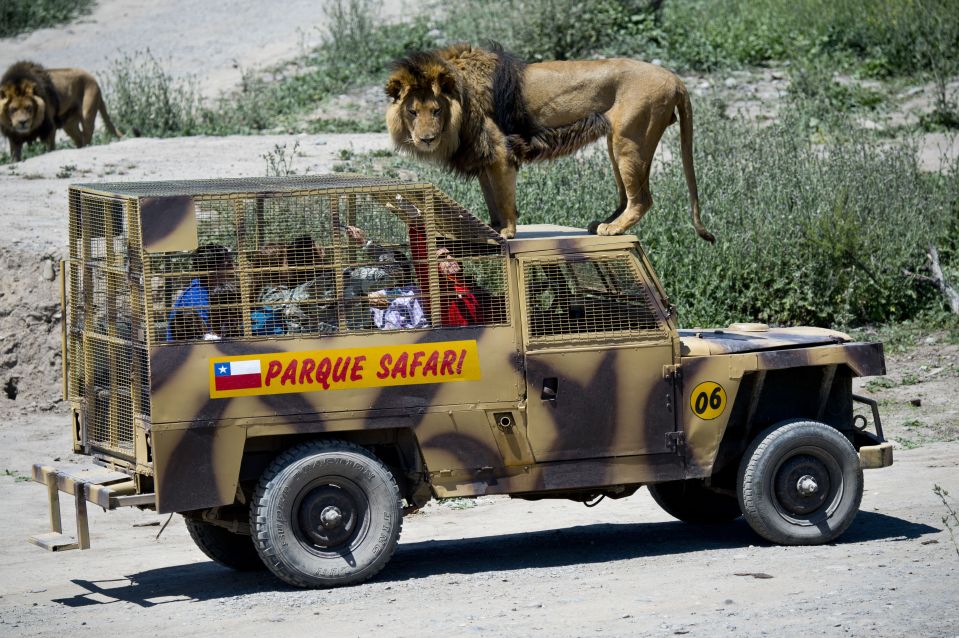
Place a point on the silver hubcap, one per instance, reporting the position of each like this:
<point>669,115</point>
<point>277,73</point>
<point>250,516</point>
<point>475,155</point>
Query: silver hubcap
<point>331,517</point>
<point>807,485</point>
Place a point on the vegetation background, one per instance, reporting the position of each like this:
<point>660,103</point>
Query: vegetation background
<point>823,217</point>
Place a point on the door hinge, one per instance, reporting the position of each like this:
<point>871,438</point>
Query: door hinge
<point>676,442</point>
<point>672,372</point>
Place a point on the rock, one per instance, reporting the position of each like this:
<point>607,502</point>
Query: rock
<point>47,271</point>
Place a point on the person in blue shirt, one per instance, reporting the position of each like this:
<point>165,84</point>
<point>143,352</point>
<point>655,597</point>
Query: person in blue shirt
<point>214,265</point>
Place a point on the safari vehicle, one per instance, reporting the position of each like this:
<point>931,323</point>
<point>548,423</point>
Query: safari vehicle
<point>299,443</point>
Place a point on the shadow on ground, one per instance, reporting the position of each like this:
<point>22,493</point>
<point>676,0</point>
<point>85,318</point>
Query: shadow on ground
<point>585,544</point>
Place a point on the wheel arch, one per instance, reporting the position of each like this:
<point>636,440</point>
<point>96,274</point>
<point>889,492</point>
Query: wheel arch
<point>394,444</point>
<point>778,397</point>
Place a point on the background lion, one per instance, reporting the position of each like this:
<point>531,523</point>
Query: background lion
<point>484,113</point>
<point>35,102</point>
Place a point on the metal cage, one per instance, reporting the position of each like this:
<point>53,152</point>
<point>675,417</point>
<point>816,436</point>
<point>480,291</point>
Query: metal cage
<point>162,263</point>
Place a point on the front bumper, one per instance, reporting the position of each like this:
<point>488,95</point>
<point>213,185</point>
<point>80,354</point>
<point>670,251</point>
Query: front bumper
<point>875,456</point>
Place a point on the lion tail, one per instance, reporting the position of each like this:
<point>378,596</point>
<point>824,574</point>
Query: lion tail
<point>102,109</point>
<point>549,143</point>
<point>685,109</point>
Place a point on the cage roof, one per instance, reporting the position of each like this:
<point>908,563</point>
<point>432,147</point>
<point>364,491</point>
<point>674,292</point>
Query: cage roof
<point>245,185</point>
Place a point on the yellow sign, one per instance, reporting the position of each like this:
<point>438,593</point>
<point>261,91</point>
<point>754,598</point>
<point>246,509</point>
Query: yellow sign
<point>344,369</point>
<point>708,400</point>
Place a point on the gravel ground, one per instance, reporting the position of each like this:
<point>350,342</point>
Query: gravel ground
<point>623,568</point>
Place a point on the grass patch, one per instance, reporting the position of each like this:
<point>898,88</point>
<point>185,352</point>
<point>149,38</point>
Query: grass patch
<point>18,477</point>
<point>19,16</point>
<point>458,503</point>
<point>879,383</point>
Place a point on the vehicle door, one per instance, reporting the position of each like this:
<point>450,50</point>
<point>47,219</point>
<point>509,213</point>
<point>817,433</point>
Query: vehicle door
<point>597,345</point>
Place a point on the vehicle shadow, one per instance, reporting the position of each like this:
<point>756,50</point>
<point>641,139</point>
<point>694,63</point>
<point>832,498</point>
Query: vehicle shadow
<point>584,544</point>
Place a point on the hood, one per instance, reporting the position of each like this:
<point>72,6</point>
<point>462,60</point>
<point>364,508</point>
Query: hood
<point>754,337</point>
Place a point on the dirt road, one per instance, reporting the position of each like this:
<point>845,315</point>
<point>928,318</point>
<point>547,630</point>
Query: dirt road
<point>623,568</point>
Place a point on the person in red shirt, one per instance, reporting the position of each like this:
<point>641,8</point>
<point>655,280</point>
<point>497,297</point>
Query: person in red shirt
<point>461,304</point>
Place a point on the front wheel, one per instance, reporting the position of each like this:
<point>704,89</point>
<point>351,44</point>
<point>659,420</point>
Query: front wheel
<point>326,513</point>
<point>692,502</point>
<point>800,483</point>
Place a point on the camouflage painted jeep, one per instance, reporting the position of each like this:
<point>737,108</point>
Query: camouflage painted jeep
<point>294,363</point>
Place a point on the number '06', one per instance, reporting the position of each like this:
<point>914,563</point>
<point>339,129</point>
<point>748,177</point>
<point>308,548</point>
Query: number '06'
<point>708,400</point>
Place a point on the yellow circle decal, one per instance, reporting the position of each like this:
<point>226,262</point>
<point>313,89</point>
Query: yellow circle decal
<point>708,400</point>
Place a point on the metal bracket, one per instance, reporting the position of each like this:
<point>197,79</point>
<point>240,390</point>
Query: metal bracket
<point>872,403</point>
<point>672,372</point>
<point>676,442</point>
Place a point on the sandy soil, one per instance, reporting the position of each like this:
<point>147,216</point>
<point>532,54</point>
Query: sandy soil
<point>473,568</point>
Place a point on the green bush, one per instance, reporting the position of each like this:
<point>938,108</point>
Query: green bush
<point>806,233</point>
<point>17,16</point>
<point>554,29</point>
<point>147,100</point>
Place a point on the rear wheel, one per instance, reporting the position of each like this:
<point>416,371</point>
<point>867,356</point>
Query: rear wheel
<point>692,502</point>
<point>326,513</point>
<point>235,551</point>
<point>800,483</point>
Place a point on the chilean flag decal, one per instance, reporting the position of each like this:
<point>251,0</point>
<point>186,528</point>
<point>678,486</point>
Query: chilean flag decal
<point>237,375</point>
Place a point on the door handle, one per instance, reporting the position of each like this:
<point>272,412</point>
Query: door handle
<point>550,388</point>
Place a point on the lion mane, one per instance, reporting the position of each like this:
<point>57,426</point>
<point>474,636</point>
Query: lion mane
<point>35,102</point>
<point>484,112</point>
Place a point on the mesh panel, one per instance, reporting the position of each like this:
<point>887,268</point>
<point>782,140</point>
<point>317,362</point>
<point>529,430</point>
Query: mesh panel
<point>108,370</point>
<point>358,257</point>
<point>601,299</point>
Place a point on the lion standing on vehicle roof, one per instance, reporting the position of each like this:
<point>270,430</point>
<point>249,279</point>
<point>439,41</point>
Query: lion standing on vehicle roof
<point>484,113</point>
<point>35,102</point>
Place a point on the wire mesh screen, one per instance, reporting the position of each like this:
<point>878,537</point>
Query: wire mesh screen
<point>601,299</point>
<point>107,361</point>
<point>353,256</point>
<point>272,258</point>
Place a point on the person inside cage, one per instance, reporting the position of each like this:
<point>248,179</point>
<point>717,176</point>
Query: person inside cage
<point>269,277</point>
<point>296,291</point>
<point>398,307</point>
<point>213,265</point>
<point>463,302</point>
<point>381,292</point>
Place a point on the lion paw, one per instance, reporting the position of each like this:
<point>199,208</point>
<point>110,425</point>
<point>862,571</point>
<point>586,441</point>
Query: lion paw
<point>604,230</point>
<point>507,233</point>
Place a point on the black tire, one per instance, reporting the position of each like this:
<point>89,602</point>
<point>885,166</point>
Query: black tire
<point>325,514</point>
<point>692,502</point>
<point>800,483</point>
<point>235,551</point>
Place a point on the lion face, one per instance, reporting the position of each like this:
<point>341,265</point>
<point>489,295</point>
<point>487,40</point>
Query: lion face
<point>22,111</point>
<point>425,116</point>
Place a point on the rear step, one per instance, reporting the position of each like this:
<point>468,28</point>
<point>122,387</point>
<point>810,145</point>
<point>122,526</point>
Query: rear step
<point>107,488</point>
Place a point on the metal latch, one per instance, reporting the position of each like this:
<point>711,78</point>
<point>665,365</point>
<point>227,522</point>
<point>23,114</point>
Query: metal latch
<point>676,442</point>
